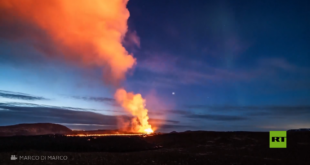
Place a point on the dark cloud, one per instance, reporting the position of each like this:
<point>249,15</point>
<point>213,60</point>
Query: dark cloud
<point>301,109</point>
<point>162,121</point>
<point>171,127</point>
<point>260,114</point>
<point>238,113</point>
<point>37,113</point>
<point>190,114</point>
<point>20,96</point>
<point>98,99</point>
<point>155,113</point>
<point>75,118</point>
<point>217,117</point>
<point>17,104</point>
<point>177,111</point>
<point>281,111</point>
<point>172,111</point>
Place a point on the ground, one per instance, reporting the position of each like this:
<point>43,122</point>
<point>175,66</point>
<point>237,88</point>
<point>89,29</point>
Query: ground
<point>177,148</point>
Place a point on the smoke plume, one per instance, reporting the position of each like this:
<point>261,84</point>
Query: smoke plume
<point>90,32</point>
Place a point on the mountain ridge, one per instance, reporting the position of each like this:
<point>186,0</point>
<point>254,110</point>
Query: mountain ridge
<point>33,129</point>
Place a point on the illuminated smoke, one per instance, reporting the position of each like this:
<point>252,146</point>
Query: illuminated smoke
<point>89,32</point>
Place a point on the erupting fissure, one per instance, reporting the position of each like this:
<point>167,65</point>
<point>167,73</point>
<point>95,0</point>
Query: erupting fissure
<point>135,104</point>
<point>85,32</point>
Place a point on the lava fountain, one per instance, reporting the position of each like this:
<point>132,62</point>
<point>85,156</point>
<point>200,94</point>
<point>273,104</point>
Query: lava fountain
<point>135,105</point>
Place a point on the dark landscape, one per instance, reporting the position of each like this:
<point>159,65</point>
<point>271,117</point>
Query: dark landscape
<point>190,147</point>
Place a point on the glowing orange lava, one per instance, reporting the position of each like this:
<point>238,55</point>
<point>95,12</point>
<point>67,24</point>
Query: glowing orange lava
<point>148,131</point>
<point>88,135</point>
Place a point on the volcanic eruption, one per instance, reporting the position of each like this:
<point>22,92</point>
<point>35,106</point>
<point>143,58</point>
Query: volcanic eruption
<point>88,33</point>
<point>135,104</point>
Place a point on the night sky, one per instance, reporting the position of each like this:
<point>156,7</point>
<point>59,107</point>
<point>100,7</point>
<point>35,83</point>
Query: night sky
<point>201,65</point>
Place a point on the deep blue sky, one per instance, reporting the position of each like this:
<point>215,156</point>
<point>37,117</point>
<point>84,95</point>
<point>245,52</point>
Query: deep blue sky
<point>233,65</point>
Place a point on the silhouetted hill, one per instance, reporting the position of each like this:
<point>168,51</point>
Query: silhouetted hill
<point>33,129</point>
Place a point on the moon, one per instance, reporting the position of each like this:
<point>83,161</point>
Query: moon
<point>173,93</point>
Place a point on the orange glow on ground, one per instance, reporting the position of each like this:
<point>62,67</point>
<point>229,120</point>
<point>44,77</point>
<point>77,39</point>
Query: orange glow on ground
<point>88,135</point>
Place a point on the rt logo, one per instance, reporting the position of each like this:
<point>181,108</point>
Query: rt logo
<point>13,157</point>
<point>277,139</point>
